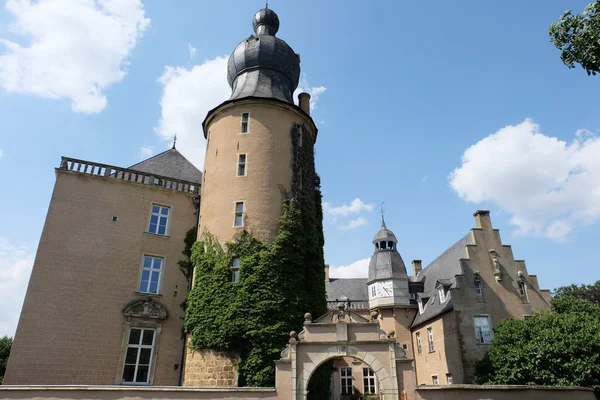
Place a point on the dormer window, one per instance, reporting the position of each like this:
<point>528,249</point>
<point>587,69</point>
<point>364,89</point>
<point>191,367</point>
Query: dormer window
<point>422,303</point>
<point>443,293</point>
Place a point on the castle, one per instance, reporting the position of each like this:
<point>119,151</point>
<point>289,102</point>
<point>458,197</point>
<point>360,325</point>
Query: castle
<point>104,302</point>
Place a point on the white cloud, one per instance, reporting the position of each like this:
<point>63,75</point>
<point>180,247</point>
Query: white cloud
<point>355,223</point>
<point>146,151</point>
<point>192,50</point>
<point>15,269</point>
<point>547,185</point>
<point>188,94</point>
<point>314,91</point>
<point>76,48</point>
<point>355,206</point>
<point>358,269</point>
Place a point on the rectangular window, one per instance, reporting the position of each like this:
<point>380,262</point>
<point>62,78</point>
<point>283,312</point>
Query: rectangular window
<point>158,220</point>
<point>373,292</point>
<point>241,166</point>
<point>369,380</point>
<point>138,356</point>
<point>434,380</point>
<point>483,333</point>
<point>419,348</point>
<point>150,280</point>
<point>449,379</point>
<point>478,288</point>
<point>522,289</point>
<point>430,339</point>
<point>245,123</point>
<point>235,269</point>
<point>346,380</point>
<point>422,303</point>
<point>442,293</point>
<point>239,214</point>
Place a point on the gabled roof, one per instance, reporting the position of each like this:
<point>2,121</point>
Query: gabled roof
<point>443,270</point>
<point>172,164</point>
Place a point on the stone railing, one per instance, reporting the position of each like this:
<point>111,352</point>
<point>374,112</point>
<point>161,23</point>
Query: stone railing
<point>129,175</point>
<point>350,305</point>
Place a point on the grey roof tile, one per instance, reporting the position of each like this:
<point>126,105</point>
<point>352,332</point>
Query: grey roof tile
<point>172,164</point>
<point>354,289</point>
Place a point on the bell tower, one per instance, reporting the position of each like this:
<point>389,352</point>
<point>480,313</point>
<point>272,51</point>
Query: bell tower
<point>252,137</point>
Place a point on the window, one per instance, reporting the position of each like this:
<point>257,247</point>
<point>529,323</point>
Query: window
<point>235,269</point>
<point>245,123</point>
<point>239,214</point>
<point>419,348</point>
<point>382,246</point>
<point>158,220</point>
<point>483,333</point>
<point>430,339</point>
<point>346,380</point>
<point>449,379</point>
<point>522,290</point>
<point>478,288</point>
<point>241,166</point>
<point>434,380</point>
<point>368,381</point>
<point>138,357</point>
<point>442,293</point>
<point>373,292</point>
<point>422,303</point>
<point>150,280</point>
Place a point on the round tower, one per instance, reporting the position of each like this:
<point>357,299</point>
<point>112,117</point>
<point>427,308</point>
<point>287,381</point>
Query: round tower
<point>388,281</point>
<point>252,138</point>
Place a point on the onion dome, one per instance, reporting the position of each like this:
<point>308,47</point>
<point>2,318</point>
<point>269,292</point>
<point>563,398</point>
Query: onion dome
<point>386,262</point>
<point>264,65</point>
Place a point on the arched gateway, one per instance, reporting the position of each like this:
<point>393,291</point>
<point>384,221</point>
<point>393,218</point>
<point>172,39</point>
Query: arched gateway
<point>338,334</point>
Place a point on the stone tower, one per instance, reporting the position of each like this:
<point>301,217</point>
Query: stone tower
<point>259,152</point>
<point>249,162</point>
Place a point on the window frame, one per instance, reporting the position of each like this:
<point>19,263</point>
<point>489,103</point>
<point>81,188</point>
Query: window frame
<point>430,341</point>
<point>478,287</point>
<point>151,270</point>
<point>235,269</point>
<point>435,380</point>
<point>369,381</point>
<point>247,122</point>
<point>486,337</point>
<point>419,344</point>
<point>237,213</point>
<point>522,288</point>
<point>449,379</point>
<point>242,164</point>
<point>442,294</point>
<point>139,346</point>
<point>346,379</point>
<point>159,215</point>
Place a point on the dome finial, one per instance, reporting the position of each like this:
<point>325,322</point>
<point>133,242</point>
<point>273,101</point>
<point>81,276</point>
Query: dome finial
<point>382,215</point>
<point>265,22</point>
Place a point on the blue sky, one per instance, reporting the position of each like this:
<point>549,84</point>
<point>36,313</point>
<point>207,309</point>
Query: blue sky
<point>435,108</point>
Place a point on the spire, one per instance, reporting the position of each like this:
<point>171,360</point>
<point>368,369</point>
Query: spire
<point>174,141</point>
<point>382,216</point>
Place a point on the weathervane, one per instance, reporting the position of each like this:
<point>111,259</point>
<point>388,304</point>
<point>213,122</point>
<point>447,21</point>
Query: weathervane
<point>174,140</point>
<point>382,211</point>
<point>267,5</point>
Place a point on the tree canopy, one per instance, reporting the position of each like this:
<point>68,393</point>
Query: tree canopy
<point>578,38</point>
<point>5,345</point>
<point>554,348</point>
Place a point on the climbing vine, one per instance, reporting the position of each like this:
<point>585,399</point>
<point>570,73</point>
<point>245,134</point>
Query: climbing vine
<point>279,281</point>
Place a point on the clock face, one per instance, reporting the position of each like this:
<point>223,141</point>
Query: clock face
<point>383,288</point>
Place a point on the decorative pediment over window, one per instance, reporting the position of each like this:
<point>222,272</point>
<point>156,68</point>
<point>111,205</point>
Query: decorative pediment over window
<point>145,308</point>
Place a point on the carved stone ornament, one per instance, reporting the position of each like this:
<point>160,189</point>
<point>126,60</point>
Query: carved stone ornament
<point>285,353</point>
<point>145,308</point>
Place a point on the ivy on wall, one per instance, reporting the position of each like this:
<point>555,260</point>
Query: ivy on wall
<point>279,281</point>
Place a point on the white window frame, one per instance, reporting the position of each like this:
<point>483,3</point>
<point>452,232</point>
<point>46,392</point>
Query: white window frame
<point>449,380</point>
<point>369,381</point>
<point>478,287</point>
<point>159,215</point>
<point>419,345</point>
<point>483,336</point>
<point>139,346</point>
<point>430,341</point>
<point>247,122</point>
<point>237,214</point>
<point>346,379</point>
<point>242,164</point>
<point>442,293</point>
<point>235,269</point>
<point>435,380</point>
<point>151,270</point>
<point>522,287</point>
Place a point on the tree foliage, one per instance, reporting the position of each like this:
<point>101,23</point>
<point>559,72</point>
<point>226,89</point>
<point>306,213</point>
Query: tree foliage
<point>578,38</point>
<point>555,348</point>
<point>5,345</point>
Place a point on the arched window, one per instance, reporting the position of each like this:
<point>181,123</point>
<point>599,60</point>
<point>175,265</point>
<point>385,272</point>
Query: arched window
<point>382,245</point>
<point>391,245</point>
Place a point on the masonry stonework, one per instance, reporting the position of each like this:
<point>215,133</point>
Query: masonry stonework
<point>209,368</point>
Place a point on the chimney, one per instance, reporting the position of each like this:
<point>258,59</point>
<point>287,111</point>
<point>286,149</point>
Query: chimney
<point>482,219</point>
<point>304,102</point>
<point>417,267</point>
<point>326,273</point>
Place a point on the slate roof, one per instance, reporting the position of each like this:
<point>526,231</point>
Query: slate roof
<point>353,288</point>
<point>172,164</point>
<point>442,269</point>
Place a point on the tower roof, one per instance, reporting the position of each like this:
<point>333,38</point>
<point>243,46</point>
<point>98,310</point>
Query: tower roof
<point>386,262</point>
<point>384,233</point>
<point>172,164</point>
<point>264,65</point>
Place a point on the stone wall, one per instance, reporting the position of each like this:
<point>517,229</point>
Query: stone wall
<point>208,368</point>
<point>500,392</point>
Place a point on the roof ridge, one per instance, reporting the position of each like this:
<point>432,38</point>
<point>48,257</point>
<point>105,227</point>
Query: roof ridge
<point>154,156</point>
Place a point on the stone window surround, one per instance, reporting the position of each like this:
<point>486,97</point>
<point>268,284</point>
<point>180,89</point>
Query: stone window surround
<point>138,323</point>
<point>241,164</point>
<point>160,276</point>
<point>247,122</point>
<point>241,214</point>
<point>169,217</point>
<point>430,341</point>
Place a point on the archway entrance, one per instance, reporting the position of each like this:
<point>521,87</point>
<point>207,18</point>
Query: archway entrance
<point>349,336</point>
<point>347,378</point>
